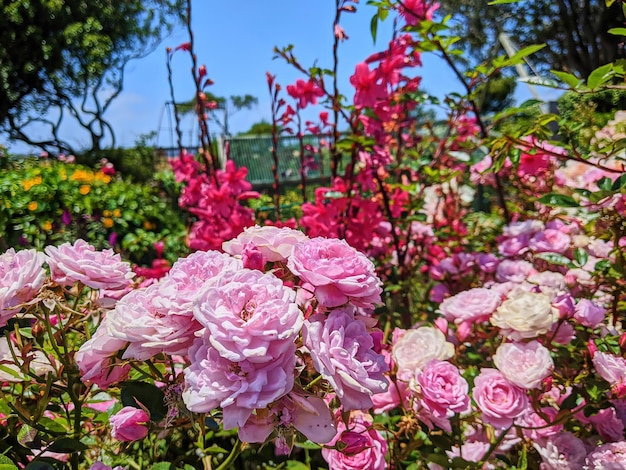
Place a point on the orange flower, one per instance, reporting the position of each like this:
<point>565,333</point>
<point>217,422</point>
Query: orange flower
<point>102,177</point>
<point>32,206</point>
<point>117,213</point>
<point>149,225</point>
<point>84,189</point>
<point>82,176</point>
<point>107,222</point>
<point>47,226</point>
<point>27,184</point>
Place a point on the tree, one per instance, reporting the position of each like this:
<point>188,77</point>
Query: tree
<point>575,31</point>
<point>61,59</point>
<point>220,105</point>
<point>262,127</point>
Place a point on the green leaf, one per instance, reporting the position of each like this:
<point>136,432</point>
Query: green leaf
<point>605,183</point>
<point>6,463</point>
<point>570,80</point>
<point>148,395</point>
<point>600,76</point>
<point>66,445</point>
<point>558,200</point>
<point>554,258</point>
<point>524,52</point>
<point>374,27</point>
<point>581,256</point>
<point>619,183</point>
<point>162,466</point>
<point>617,31</point>
<point>295,465</point>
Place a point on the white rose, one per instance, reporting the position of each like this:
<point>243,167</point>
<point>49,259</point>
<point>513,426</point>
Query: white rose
<point>418,346</point>
<point>525,315</point>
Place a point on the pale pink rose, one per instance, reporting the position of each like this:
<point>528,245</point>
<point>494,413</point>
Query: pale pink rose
<point>534,426</point>
<point>514,246</point>
<point>180,286</point>
<point>275,244</point>
<point>472,452</point>
<point>610,367</point>
<point>21,276</point>
<point>129,424</point>
<point>81,262</point>
<point>374,446</point>
<point>514,271</point>
<point>342,352</point>
<point>524,364</point>
<point>588,313</point>
<point>250,316</point>
<point>416,347</point>
<point>600,248</point>
<point>552,280</point>
<point>550,240</point>
<point>96,359</point>
<point>38,362</point>
<point>338,272</point>
<point>561,451</point>
<point>475,305</point>
<point>526,227</point>
<point>443,390</point>
<point>306,413</point>
<point>525,315</point>
<point>498,399</point>
<point>606,423</point>
<point>212,381</point>
<point>150,330</point>
<point>578,277</point>
<point>611,456</point>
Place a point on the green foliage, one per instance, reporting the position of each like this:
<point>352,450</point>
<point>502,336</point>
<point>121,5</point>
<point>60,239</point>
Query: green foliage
<point>52,202</point>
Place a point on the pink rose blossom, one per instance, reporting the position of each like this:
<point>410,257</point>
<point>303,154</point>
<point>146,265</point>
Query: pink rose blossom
<point>588,313</point>
<point>498,399</point>
<point>275,244</point>
<point>443,390</point>
<point>514,271</point>
<point>212,381</point>
<point>526,227</point>
<point>475,305</point>
<point>338,272</point>
<point>81,262</point>
<point>150,330</point>
<point>129,424</point>
<point>471,452</point>
<point>611,368</point>
<point>342,352</point>
<point>96,359</point>
<point>606,423</point>
<point>550,240</point>
<point>21,276</point>
<point>534,426</point>
<point>611,456</point>
<point>524,364</point>
<point>561,451</point>
<point>250,316</point>
<point>514,246</point>
<point>374,446</point>
<point>416,347</point>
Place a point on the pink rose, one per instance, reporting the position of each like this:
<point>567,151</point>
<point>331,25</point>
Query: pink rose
<point>498,399</point>
<point>514,271</point>
<point>129,424</point>
<point>275,244</point>
<point>611,456</point>
<point>526,227</point>
<point>338,272</point>
<point>96,358</point>
<point>524,364</point>
<point>550,240</point>
<point>373,445</point>
<point>213,381</point>
<point>475,305</point>
<point>250,316</point>
<point>563,450</point>
<point>342,352</point>
<point>610,367</point>
<point>534,426</point>
<point>81,262</point>
<point>588,313</point>
<point>443,390</point>
<point>21,277</point>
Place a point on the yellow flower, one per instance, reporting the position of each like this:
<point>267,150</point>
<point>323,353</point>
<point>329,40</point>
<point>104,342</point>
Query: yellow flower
<point>149,225</point>
<point>102,177</point>
<point>27,184</point>
<point>117,213</point>
<point>32,205</point>
<point>82,175</point>
<point>47,226</point>
<point>63,174</point>
<point>107,222</point>
<point>107,213</point>
<point>84,189</point>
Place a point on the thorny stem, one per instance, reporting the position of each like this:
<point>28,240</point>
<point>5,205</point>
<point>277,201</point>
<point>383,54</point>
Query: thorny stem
<point>179,133</point>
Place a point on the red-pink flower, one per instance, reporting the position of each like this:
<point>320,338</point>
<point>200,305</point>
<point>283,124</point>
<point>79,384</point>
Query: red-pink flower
<point>305,92</point>
<point>368,90</point>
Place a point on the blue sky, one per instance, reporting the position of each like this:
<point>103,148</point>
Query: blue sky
<point>235,41</point>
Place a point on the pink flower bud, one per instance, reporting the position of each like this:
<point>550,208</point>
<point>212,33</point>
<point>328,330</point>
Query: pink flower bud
<point>354,442</point>
<point>129,424</point>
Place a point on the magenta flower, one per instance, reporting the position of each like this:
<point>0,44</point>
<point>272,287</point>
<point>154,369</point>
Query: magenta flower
<point>129,424</point>
<point>341,349</point>
<point>499,400</point>
<point>21,276</point>
<point>305,92</point>
<point>338,272</point>
<point>250,316</point>
<point>368,88</point>
<point>81,262</point>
